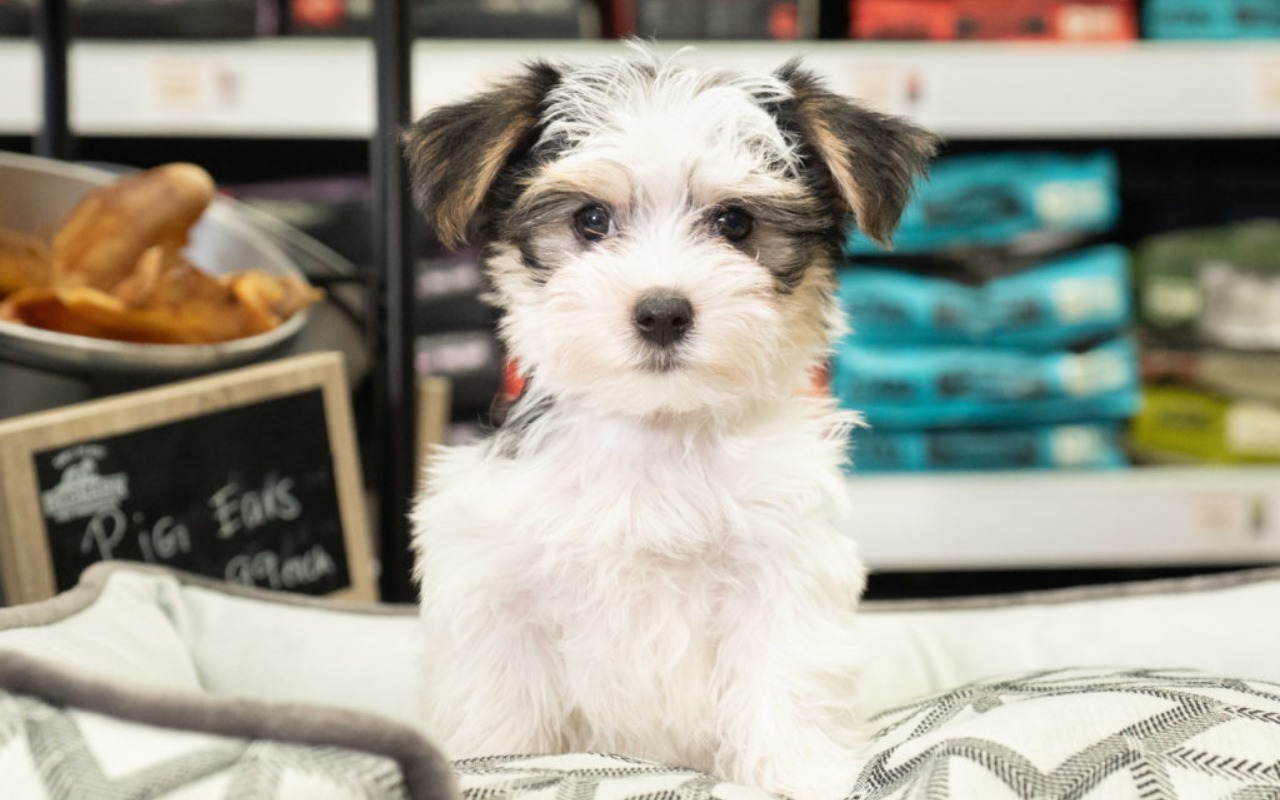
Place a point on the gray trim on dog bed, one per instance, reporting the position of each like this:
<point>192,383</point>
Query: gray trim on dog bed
<point>1159,586</point>
<point>94,580</point>
<point>427,774</point>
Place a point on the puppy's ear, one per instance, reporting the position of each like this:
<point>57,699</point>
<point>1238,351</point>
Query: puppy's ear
<point>457,151</point>
<point>873,159</point>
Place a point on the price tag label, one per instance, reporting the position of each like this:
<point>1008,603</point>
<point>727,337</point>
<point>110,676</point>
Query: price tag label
<point>1230,516</point>
<point>1269,85</point>
<point>194,86</point>
<point>893,88</point>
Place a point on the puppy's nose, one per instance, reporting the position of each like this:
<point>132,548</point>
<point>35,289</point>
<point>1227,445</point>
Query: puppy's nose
<point>663,318</point>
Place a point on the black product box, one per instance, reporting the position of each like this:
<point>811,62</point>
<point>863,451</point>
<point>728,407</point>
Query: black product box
<point>453,19</point>
<point>448,289</point>
<point>153,19</point>
<point>334,210</point>
<point>472,361</point>
<point>726,19</point>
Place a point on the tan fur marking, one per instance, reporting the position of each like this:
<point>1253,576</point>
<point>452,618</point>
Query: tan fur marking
<point>456,207</point>
<point>603,180</point>
<point>832,150</point>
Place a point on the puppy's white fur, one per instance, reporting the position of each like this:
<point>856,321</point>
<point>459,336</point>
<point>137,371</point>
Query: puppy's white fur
<point>651,560</point>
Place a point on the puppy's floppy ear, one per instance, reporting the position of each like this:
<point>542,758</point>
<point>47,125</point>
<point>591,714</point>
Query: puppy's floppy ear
<point>873,159</point>
<point>457,151</point>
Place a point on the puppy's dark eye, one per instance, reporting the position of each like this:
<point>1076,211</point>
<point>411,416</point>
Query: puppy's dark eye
<point>733,224</point>
<point>594,223</point>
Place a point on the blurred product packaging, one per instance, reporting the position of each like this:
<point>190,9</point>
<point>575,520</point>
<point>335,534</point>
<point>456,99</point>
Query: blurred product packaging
<point>1212,287</point>
<point>718,19</point>
<point>1209,305</point>
<point>153,19</point>
<point>1082,446</point>
<point>1211,19</point>
<point>1023,20</point>
<point>1069,300</point>
<point>984,341</point>
<point>454,19</point>
<point>1014,202</point>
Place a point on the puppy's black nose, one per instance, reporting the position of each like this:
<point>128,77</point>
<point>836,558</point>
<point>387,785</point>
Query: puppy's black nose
<point>663,318</point>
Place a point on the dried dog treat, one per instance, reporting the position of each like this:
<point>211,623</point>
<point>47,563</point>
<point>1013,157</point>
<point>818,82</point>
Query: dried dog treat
<point>109,230</point>
<point>115,270</point>
<point>271,298</point>
<point>187,306</point>
<point>24,261</point>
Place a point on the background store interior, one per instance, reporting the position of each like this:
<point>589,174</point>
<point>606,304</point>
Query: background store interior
<point>1187,173</point>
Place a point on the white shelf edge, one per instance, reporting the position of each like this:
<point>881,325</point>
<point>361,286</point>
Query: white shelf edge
<point>324,87</point>
<point>1142,517</point>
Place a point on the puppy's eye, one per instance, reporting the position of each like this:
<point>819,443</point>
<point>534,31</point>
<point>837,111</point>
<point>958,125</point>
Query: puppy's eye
<point>733,224</point>
<point>594,223</point>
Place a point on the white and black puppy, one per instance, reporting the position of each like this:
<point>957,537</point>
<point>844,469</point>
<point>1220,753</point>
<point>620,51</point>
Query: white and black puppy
<point>647,557</point>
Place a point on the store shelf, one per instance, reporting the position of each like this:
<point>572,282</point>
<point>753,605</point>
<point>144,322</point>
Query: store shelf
<point>1152,517</point>
<point>324,87</point>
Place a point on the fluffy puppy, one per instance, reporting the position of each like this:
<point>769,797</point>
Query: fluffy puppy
<point>647,557</point>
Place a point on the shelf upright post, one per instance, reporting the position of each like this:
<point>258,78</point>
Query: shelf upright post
<point>53,32</point>
<point>394,414</point>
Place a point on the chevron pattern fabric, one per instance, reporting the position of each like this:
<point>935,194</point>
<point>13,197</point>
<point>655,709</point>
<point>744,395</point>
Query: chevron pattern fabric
<point>590,776</point>
<point>1080,734</point>
<point>48,752</point>
<point>1086,734</point>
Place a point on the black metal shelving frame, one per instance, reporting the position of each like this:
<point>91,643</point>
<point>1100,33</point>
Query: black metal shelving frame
<point>395,384</point>
<point>390,333</point>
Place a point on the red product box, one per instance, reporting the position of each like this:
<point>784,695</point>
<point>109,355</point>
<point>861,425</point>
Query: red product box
<point>993,20</point>
<point>902,19</point>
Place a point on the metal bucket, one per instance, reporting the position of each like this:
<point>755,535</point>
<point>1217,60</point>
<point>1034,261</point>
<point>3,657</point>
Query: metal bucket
<point>37,195</point>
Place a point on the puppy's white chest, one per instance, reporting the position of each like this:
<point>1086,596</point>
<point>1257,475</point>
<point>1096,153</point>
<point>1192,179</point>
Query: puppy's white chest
<point>633,594</point>
<point>621,558</point>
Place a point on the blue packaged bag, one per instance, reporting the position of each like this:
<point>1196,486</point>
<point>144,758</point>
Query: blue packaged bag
<point>1078,298</point>
<point>926,387</point>
<point>1029,201</point>
<point>1211,19</point>
<point>1093,445</point>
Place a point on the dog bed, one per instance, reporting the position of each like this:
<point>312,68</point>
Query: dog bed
<point>142,682</point>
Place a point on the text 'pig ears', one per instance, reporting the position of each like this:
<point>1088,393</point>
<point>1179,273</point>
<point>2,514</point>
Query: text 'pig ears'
<point>874,159</point>
<point>457,151</point>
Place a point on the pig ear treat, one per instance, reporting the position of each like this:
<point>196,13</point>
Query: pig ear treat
<point>116,270</point>
<point>107,233</point>
<point>24,261</point>
<point>186,306</point>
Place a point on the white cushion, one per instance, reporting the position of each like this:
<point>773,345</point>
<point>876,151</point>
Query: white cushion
<point>1214,623</point>
<point>150,652</point>
<point>125,634</point>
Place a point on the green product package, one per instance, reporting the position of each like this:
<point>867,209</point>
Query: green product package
<point>1217,286</point>
<point>1179,424</point>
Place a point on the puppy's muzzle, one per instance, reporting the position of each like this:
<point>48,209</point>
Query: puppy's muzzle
<point>663,318</point>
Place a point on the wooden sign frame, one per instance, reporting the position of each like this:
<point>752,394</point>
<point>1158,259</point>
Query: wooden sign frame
<point>26,560</point>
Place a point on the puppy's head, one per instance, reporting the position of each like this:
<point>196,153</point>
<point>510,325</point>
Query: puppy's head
<point>661,240</point>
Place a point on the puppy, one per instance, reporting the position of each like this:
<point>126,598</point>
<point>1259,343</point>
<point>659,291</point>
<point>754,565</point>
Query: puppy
<point>647,557</point>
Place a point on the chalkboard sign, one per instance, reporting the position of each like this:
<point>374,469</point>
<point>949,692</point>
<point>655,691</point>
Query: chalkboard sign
<point>250,476</point>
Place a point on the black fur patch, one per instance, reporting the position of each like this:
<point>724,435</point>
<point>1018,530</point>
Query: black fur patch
<point>514,422</point>
<point>789,236</point>
<point>459,152</point>
<point>878,154</point>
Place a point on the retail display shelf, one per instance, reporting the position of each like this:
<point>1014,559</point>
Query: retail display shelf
<point>323,88</point>
<point>1146,517</point>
